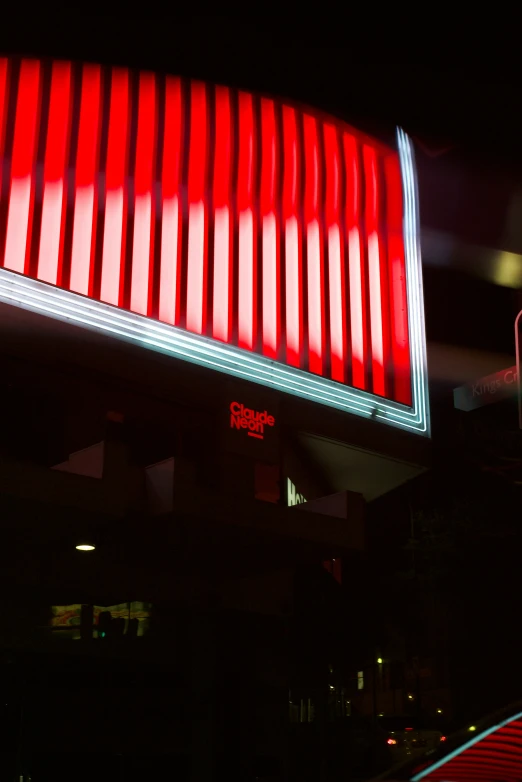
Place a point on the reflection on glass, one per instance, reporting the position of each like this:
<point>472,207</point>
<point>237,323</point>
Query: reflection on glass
<point>127,619</point>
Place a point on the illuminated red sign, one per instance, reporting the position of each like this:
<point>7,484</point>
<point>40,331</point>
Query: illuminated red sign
<point>245,221</point>
<point>246,418</point>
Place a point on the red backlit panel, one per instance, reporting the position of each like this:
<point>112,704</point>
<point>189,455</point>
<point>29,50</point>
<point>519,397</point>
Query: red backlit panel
<point>86,184</point>
<point>292,243</point>
<point>115,189</point>
<point>314,245</point>
<point>335,267</point>
<point>223,235</point>
<point>246,277</point>
<point>50,250</point>
<point>236,217</point>
<point>143,242</point>
<point>197,210</point>
<point>492,756</point>
<point>170,215</point>
<point>23,175</point>
<point>3,108</point>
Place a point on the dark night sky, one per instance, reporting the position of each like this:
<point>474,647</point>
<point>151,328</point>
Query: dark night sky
<point>444,77</point>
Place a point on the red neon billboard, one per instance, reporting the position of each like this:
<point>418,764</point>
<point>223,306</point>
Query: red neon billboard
<point>234,230</point>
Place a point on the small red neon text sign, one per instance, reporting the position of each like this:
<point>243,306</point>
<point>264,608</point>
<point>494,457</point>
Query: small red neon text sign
<point>254,421</point>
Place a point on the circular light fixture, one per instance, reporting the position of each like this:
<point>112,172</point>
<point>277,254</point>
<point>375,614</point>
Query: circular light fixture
<point>379,660</point>
<point>439,711</point>
<point>85,547</point>
<point>472,728</point>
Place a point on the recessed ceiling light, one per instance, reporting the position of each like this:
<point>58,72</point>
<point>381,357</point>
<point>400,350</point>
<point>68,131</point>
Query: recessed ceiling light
<point>85,547</point>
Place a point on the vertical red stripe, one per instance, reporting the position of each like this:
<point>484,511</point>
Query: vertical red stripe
<point>86,174</point>
<point>116,196</point>
<point>171,217</point>
<point>246,274</point>
<point>197,234</point>
<point>21,196</point>
<point>293,281</point>
<point>397,281</point>
<point>3,109</point>
<point>270,231</point>
<point>314,245</point>
<point>222,233</point>
<point>142,246</point>
<point>336,280</point>
<point>355,262</point>
<point>53,202</point>
<point>374,270</point>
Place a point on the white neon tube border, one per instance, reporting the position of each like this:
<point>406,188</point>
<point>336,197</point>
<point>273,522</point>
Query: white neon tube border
<point>41,297</point>
<point>414,289</point>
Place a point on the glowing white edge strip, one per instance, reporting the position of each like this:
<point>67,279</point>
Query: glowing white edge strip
<point>456,752</point>
<point>414,289</point>
<point>63,305</point>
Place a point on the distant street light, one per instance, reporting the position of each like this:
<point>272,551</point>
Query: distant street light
<point>379,660</point>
